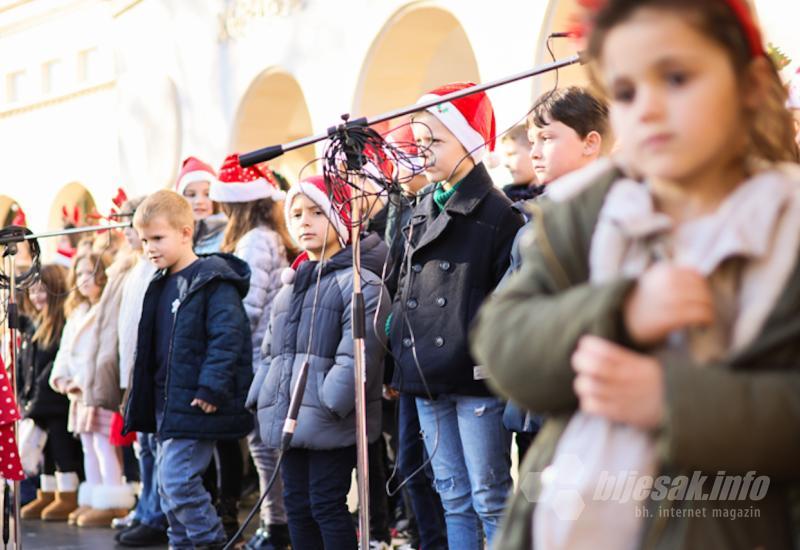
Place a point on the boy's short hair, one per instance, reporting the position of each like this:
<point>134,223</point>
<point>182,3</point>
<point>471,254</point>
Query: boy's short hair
<point>173,207</point>
<point>574,107</point>
<point>517,134</point>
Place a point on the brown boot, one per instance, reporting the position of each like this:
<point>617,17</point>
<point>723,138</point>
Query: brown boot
<point>72,518</point>
<point>33,510</point>
<point>62,507</point>
<point>101,518</point>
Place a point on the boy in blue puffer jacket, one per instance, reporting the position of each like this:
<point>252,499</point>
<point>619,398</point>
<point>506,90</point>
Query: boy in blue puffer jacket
<point>317,469</point>
<point>193,365</point>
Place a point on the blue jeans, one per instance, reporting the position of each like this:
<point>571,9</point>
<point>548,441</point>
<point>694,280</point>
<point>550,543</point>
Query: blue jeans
<point>411,456</point>
<point>148,509</point>
<point>471,464</point>
<point>315,486</point>
<point>193,521</point>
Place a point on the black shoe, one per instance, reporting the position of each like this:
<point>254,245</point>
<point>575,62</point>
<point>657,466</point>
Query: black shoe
<point>270,537</point>
<point>143,535</point>
<point>135,523</point>
<point>228,512</point>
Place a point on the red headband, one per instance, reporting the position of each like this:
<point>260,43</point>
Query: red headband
<point>738,7</point>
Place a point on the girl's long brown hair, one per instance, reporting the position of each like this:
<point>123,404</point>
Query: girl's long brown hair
<point>52,317</point>
<point>244,216</point>
<point>100,263</point>
<point>771,127</point>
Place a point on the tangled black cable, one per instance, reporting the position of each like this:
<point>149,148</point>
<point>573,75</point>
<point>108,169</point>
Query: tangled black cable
<point>12,236</point>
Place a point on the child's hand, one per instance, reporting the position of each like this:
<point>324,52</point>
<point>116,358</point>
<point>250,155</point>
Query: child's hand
<point>390,394</point>
<point>667,298</point>
<point>206,407</point>
<point>618,384</point>
<point>72,387</point>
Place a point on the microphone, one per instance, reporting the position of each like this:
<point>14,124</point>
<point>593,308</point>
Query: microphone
<point>290,423</point>
<point>562,35</point>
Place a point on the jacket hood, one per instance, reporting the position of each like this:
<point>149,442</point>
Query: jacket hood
<point>226,267</point>
<point>373,256</point>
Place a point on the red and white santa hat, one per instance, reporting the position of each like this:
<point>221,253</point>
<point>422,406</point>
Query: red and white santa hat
<point>405,145</point>
<point>335,204</point>
<point>794,91</point>
<point>192,171</point>
<point>470,119</point>
<point>238,184</point>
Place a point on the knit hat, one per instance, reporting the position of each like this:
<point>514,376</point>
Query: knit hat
<point>192,171</point>
<point>335,206</point>
<point>237,184</point>
<point>470,119</point>
<point>794,91</point>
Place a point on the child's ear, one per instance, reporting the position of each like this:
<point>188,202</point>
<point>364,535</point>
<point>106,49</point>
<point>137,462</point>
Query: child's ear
<point>592,144</point>
<point>187,232</point>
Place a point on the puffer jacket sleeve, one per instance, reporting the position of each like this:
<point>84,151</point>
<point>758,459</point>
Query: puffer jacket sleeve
<point>338,389</point>
<point>225,326</point>
<point>263,254</point>
<point>262,369</point>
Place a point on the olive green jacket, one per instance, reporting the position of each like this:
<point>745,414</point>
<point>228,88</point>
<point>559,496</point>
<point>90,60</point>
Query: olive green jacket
<point>736,416</point>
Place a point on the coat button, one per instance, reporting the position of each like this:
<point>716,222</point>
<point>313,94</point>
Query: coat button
<point>412,303</point>
<point>406,342</point>
<point>441,302</point>
<point>444,265</point>
<point>438,341</point>
<point>416,268</point>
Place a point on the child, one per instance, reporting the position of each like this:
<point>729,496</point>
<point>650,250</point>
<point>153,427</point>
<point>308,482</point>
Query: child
<point>516,155</point>
<point>194,183</point>
<point>90,381</point>
<point>566,130</point>
<point>192,367</point>
<point>459,240</point>
<point>41,335</point>
<point>149,524</point>
<point>317,470</point>
<point>256,233</point>
<point>655,316</point>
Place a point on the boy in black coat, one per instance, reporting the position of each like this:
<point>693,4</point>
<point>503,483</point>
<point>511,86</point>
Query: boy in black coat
<point>460,236</point>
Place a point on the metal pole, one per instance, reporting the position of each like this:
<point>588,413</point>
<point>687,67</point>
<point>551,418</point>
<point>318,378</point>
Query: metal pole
<point>11,250</point>
<point>359,333</point>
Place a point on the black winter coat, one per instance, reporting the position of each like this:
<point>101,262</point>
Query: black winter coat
<point>37,400</point>
<point>458,256</point>
<point>210,348</point>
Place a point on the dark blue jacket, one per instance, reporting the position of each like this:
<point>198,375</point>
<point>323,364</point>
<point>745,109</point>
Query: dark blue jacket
<point>210,355</point>
<point>457,257</point>
<point>327,414</point>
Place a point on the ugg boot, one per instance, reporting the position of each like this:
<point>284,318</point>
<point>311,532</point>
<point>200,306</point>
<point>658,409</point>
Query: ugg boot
<point>108,502</point>
<point>85,491</point>
<point>44,497</point>
<point>66,500</point>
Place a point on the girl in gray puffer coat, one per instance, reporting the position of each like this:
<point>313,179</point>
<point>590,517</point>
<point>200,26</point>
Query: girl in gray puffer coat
<point>317,468</point>
<point>256,234</point>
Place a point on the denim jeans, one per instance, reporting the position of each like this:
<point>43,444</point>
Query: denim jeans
<point>411,456</point>
<point>193,521</point>
<point>148,509</point>
<point>315,486</point>
<point>471,464</point>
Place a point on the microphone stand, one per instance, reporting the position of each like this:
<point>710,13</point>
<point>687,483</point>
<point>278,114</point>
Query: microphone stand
<point>355,162</point>
<point>11,242</point>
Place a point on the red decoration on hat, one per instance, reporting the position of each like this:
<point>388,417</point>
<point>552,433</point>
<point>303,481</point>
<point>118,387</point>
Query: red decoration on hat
<point>120,199</point>
<point>239,184</point>
<point>335,204</point>
<point>10,463</point>
<point>73,218</point>
<point>19,218</point>
<point>470,119</point>
<point>192,171</point>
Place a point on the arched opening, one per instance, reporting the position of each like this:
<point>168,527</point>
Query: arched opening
<point>274,111</point>
<point>419,48</point>
<point>558,18</point>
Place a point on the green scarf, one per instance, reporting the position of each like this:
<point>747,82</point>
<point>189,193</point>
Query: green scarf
<point>441,195</point>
